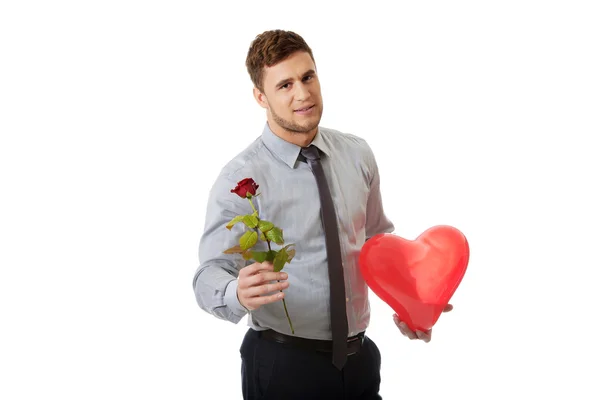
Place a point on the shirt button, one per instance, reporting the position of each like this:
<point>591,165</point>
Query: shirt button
<point>347,299</point>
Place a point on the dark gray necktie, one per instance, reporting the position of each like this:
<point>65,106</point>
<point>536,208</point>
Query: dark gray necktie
<point>339,319</point>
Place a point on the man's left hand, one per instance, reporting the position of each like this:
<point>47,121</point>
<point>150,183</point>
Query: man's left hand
<point>424,336</point>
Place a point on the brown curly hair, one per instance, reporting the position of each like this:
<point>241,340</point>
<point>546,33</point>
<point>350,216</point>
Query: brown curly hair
<point>270,48</point>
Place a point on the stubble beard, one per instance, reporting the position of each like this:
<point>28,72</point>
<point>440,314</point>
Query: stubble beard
<point>293,127</point>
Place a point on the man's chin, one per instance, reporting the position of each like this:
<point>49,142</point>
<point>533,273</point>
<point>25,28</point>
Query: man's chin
<point>304,130</point>
<point>298,127</point>
<point>307,127</point>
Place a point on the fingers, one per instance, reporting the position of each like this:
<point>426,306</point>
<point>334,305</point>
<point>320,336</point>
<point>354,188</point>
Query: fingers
<point>259,273</point>
<point>255,302</point>
<point>266,288</point>
<point>424,336</point>
<point>256,268</point>
<point>261,278</point>
<point>404,329</point>
<point>256,284</point>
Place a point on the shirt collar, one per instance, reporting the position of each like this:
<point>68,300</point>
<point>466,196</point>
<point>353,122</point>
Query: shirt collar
<point>286,151</point>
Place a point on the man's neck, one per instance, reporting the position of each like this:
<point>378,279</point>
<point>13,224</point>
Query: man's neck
<point>297,138</point>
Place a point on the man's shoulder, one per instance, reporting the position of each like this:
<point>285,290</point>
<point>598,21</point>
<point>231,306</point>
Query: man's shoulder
<point>344,140</point>
<point>239,165</point>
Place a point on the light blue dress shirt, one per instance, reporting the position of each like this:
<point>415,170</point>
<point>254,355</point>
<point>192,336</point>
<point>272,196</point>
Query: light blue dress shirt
<point>289,198</point>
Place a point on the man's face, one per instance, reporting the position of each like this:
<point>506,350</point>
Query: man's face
<point>292,94</point>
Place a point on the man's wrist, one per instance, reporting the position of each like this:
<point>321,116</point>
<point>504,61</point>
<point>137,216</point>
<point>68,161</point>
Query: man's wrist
<point>232,300</point>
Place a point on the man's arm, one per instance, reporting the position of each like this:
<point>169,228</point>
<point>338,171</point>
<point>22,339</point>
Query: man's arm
<point>376,220</point>
<point>215,280</point>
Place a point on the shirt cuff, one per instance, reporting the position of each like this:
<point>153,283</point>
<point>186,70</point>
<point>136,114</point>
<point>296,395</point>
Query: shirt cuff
<point>232,301</point>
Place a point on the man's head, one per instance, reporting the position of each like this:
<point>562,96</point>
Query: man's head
<point>283,71</point>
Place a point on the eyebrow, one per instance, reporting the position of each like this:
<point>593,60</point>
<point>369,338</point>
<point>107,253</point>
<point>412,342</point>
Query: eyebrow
<point>287,80</point>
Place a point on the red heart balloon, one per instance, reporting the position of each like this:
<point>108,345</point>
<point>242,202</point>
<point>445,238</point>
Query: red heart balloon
<point>417,277</point>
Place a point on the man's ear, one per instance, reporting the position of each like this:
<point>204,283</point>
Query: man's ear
<point>260,98</point>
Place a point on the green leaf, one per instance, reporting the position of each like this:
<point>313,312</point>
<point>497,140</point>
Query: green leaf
<point>259,256</point>
<point>248,239</point>
<point>263,237</point>
<point>234,221</point>
<point>265,226</point>
<point>271,255</point>
<point>250,220</point>
<point>280,260</point>
<point>262,256</point>
<point>275,235</point>
<point>234,250</point>
<point>291,252</point>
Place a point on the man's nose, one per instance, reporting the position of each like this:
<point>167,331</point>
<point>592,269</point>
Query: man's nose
<point>302,92</point>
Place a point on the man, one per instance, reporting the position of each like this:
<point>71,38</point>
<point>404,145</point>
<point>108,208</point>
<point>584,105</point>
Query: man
<point>328,215</point>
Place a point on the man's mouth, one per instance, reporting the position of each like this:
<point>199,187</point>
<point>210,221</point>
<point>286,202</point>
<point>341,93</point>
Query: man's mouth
<point>304,110</point>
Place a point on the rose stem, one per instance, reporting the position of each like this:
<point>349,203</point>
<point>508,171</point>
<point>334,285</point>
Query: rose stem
<point>284,305</point>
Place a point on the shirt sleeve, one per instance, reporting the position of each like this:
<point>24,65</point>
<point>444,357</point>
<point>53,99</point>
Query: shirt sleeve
<point>215,280</point>
<point>376,220</point>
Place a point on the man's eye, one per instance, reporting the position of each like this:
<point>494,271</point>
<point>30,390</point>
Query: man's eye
<point>307,77</point>
<point>285,86</point>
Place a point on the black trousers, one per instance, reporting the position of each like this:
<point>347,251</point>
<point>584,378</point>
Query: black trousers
<point>274,371</point>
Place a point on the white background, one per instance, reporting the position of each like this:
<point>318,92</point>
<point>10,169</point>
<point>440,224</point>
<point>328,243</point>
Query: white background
<point>116,116</point>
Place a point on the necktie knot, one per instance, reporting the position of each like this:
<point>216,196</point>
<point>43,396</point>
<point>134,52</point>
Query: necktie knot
<point>311,153</point>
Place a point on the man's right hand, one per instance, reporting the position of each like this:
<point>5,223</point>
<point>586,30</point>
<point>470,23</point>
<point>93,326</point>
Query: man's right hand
<point>256,282</point>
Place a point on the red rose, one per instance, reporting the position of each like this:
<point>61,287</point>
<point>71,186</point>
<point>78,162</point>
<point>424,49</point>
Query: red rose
<point>244,187</point>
